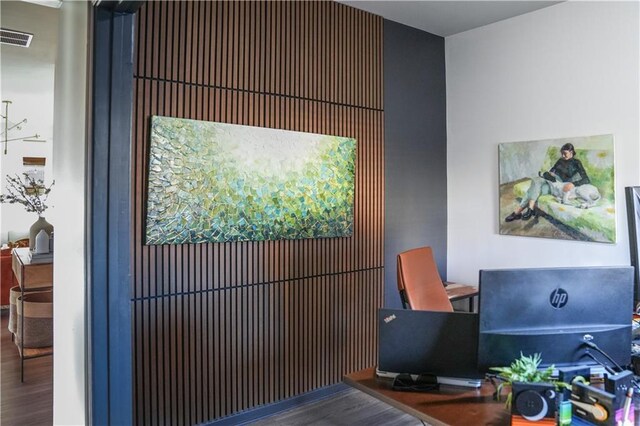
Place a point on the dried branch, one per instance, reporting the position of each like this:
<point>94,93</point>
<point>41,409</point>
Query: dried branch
<point>29,192</point>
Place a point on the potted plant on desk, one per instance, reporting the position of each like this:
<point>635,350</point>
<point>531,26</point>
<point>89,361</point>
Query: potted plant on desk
<point>537,393</point>
<point>522,370</point>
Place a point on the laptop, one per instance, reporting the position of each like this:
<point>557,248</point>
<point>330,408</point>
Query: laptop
<point>444,344</point>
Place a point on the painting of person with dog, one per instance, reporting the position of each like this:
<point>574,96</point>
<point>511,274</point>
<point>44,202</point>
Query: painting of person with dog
<point>558,188</point>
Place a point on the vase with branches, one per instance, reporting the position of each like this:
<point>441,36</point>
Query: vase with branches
<point>32,194</point>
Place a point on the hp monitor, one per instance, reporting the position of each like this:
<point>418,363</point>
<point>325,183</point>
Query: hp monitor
<point>633,220</point>
<point>557,312</point>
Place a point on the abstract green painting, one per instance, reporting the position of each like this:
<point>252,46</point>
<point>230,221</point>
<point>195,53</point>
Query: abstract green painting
<point>217,182</point>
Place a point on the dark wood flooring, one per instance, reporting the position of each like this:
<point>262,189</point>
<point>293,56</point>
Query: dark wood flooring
<point>349,408</point>
<point>31,402</point>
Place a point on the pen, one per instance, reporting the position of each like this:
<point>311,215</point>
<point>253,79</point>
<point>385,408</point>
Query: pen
<point>627,406</point>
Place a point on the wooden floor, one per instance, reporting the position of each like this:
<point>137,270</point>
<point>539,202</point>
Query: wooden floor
<point>31,402</point>
<point>349,407</point>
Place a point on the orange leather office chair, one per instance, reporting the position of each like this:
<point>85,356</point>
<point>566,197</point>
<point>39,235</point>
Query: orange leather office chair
<point>419,282</point>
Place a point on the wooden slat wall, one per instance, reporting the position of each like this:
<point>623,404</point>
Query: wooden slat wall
<point>221,328</point>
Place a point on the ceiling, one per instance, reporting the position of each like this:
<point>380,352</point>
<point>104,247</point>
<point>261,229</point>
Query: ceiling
<point>445,18</point>
<point>49,3</point>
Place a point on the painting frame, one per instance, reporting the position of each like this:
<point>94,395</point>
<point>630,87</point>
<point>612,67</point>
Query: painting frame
<point>220,182</point>
<point>536,172</point>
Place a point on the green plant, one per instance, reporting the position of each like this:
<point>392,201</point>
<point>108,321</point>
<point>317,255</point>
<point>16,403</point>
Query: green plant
<point>525,369</point>
<point>29,192</point>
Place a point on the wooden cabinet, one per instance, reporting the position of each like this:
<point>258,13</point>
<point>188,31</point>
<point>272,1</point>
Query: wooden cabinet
<point>7,280</point>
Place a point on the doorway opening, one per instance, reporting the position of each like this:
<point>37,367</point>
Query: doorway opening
<point>28,61</point>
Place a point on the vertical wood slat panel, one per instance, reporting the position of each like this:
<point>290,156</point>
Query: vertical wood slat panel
<point>312,50</point>
<point>221,328</point>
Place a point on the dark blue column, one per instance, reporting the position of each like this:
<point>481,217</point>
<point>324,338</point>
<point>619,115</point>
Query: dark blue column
<point>109,269</point>
<point>415,144</point>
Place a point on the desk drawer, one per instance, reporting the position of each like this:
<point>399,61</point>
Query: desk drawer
<point>31,275</point>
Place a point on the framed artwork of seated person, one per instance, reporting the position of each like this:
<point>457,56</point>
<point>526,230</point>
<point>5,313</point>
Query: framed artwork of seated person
<point>558,188</point>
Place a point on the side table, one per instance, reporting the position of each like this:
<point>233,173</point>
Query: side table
<point>30,277</point>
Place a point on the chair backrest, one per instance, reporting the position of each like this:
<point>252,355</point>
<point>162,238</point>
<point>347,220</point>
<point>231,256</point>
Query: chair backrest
<point>419,281</point>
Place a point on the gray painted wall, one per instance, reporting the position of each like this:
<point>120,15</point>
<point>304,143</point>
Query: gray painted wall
<point>415,148</point>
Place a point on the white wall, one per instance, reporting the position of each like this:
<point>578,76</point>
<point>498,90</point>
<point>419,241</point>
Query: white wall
<point>26,77</point>
<point>567,70</point>
<point>68,215</point>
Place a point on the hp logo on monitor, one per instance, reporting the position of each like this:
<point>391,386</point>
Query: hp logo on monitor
<point>558,298</point>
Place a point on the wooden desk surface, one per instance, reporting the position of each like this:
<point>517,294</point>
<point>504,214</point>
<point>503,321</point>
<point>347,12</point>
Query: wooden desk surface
<point>460,291</point>
<point>448,406</point>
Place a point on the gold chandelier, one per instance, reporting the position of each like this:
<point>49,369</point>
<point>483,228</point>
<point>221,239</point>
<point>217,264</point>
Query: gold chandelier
<point>9,126</point>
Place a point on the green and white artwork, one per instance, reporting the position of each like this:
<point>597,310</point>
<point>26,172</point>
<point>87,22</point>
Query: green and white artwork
<point>548,191</point>
<point>217,182</point>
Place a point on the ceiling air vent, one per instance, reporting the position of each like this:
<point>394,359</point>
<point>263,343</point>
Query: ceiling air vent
<point>15,38</point>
